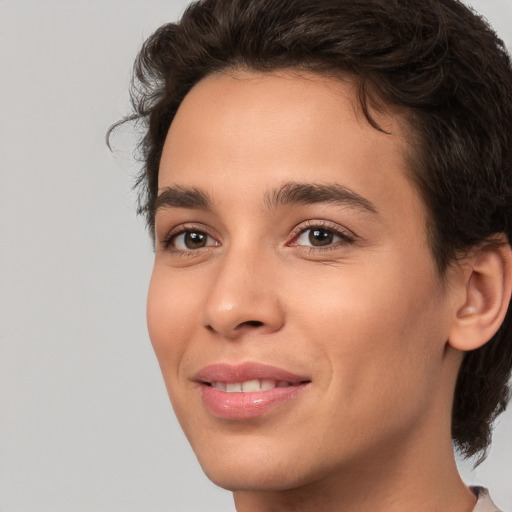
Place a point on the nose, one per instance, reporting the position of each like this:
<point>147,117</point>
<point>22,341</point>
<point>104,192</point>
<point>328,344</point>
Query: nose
<point>243,297</point>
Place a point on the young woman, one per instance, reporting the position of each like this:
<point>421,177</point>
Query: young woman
<point>329,188</point>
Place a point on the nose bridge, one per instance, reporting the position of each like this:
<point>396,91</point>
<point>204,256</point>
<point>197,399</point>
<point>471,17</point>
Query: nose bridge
<point>243,296</point>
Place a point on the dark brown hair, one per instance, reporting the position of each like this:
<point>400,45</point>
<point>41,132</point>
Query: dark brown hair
<point>437,58</point>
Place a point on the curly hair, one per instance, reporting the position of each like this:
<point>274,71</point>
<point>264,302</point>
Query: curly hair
<point>437,58</point>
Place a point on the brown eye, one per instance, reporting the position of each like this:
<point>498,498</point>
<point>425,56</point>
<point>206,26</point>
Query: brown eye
<point>320,237</point>
<point>190,240</point>
<point>194,240</point>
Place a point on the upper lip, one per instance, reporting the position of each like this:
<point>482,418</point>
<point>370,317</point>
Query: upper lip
<point>242,372</point>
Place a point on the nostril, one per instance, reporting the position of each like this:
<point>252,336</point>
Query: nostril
<point>251,323</point>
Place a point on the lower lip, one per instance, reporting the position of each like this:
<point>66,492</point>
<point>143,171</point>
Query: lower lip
<point>240,406</point>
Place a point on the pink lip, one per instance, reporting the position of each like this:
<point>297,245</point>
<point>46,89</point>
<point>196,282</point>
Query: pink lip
<point>246,405</point>
<point>229,373</point>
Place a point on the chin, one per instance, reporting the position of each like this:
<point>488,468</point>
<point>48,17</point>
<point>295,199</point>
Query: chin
<point>259,469</point>
<point>245,477</point>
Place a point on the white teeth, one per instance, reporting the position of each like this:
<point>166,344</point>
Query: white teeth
<point>267,384</point>
<point>250,386</point>
<point>234,387</point>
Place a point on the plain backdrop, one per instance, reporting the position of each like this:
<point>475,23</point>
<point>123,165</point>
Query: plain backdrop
<point>85,423</point>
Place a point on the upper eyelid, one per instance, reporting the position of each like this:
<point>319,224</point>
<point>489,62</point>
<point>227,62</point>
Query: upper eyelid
<point>296,231</point>
<point>165,240</point>
<point>325,224</point>
<point>190,226</point>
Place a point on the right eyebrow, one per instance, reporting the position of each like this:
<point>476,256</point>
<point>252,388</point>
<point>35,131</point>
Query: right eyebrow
<point>314,193</point>
<point>182,197</point>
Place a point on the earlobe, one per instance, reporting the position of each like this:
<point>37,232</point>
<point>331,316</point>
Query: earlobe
<point>487,282</point>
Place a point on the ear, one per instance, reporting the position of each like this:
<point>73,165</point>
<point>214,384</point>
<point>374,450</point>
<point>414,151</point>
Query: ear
<point>485,283</point>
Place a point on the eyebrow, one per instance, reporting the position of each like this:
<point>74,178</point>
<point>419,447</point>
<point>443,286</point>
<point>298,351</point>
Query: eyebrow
<point>183,197</point>
<point>288,193</point>
<point>313,193</point>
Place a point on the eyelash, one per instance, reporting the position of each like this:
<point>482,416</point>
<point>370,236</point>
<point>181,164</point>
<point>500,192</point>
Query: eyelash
<point>169,239</point>
<point>346,237</point>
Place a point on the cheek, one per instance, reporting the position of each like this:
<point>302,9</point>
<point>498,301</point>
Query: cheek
<point>381,333</point>
<point>171,313</point>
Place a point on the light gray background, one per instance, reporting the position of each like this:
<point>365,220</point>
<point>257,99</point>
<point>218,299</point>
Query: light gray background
<point>85,423</point>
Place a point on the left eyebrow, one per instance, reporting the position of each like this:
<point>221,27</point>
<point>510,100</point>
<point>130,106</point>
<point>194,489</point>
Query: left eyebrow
<point>182,197</point>
<point>313,193</point>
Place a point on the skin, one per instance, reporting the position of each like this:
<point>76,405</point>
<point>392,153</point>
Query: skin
<point>366,318</point>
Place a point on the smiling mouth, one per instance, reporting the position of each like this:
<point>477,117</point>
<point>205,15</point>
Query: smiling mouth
<point>253,385</point>
<point>247,390</point>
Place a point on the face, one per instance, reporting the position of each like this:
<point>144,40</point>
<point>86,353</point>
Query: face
<point>294,306</point>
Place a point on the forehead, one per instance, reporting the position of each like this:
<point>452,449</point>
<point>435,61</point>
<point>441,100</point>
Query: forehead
<point>248,129</point>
